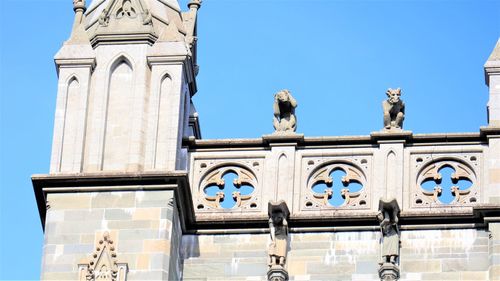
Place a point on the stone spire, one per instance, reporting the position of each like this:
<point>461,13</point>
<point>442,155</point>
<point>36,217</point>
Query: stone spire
<point>492,77</point>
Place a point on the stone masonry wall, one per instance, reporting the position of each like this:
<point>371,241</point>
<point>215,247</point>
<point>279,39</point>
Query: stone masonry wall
<point>458,254</point>
<point>139,223</point>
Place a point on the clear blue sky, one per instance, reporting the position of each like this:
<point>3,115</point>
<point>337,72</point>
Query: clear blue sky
<point>336,57</point>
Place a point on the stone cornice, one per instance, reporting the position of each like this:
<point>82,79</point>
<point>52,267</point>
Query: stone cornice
<point>102,182</point>
<point>348,141</point>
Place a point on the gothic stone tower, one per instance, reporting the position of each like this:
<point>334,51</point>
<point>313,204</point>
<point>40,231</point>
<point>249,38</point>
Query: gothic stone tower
<point>126,78</point>
<point>134,193</point>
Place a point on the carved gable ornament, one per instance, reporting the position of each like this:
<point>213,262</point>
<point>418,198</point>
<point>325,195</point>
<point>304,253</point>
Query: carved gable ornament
<point>103,265</point>
<point>124,20</point>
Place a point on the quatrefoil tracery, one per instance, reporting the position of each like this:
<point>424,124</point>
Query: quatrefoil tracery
<point>228,187</point>
<point>446,182</point>
<point>337,185</point>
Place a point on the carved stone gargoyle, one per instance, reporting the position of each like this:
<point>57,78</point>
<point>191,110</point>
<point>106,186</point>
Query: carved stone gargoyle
<point>388,217</point>
<point>394,110</point>
<point>284,106</point>
<point>278,226</point>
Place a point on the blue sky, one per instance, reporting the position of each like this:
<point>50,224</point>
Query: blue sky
<point>336,57</point>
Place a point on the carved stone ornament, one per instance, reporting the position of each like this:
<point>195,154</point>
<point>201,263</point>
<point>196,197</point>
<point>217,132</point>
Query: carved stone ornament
<point>350,186</point>
<point>277,273</point>
<point>278,227</point>
<point>394,110</point>
<point>455,178</point>
<point>104,18</point>
<point>103,265</point>
<point>284,106</point>
<point>232,191</point>
<point>388,217</point>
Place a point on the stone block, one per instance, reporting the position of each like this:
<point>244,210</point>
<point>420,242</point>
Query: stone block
<point>157,246</point>
<point>147,213</point>
<point>84,249</point>
<point>118,214</point>
<point>143,262</point>
<point>204,270</point>
<point>366,267</point>
<point>421,266</point>
<point>62,239</point>
<point>138,234</point>
<point>66,201</point>
<point>115,199</point>
<point>296,268</point>
<point>130,246</point>
<point>128,224</point>
<point>474,275</point>
<point>452,276</point>
<point>146,275</point>
<point>322,268</point>
<point>60,276</point>
<point>84,215</point>
<point>495,175</point>
<point>238,268</point>
<point>494,273</point>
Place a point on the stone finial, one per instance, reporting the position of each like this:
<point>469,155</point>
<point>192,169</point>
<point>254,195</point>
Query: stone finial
<point>78,34</point>
<point>194,4</point>
<point>278,225</point>
<point>79,5</point>
<point>394,110</point>
<point>284,112</point>
<point>388,217</point>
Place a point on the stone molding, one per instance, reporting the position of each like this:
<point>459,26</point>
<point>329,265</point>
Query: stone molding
<point>105,182</point>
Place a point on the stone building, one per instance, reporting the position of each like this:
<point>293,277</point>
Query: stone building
<point>135,193</point>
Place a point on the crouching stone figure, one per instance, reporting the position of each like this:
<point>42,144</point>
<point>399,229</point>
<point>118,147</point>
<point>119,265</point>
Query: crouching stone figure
<point>284,112</point>
<point>394,110</point>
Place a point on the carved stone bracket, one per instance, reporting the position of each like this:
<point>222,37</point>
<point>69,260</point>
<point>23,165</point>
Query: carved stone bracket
<point>388,272</point>
<point>103,265</point>
<point>277,273</point>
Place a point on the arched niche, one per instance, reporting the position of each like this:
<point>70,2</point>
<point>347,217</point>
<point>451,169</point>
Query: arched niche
<point>120,102</point>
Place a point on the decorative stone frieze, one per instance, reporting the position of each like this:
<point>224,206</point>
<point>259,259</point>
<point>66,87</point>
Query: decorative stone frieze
<point>103,265</point>
<point>336,184</point>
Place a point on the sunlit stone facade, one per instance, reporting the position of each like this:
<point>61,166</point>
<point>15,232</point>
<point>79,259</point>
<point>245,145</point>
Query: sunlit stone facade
<point>135,193</point>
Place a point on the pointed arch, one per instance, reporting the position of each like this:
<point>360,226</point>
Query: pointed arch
<point>120,101</point>
<point>70,126</point>
<point>162,128</point>
<point>391,174</point>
